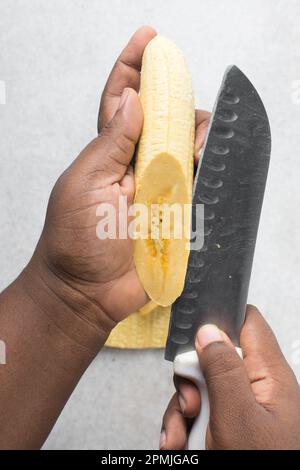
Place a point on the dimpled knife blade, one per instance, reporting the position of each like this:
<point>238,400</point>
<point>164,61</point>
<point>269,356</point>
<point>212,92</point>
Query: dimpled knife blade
<point>230,182</point>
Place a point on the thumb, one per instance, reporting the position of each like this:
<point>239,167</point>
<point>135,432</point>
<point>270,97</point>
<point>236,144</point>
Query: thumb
<point>229,388</point>
<point>107,157</point>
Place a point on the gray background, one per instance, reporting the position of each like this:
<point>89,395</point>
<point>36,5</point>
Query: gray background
<point>54,58</point>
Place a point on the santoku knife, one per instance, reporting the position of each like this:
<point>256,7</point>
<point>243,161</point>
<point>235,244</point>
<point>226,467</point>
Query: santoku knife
<point>230,182</point>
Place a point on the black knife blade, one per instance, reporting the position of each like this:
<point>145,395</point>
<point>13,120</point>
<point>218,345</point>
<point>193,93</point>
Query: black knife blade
<point>230,182</point>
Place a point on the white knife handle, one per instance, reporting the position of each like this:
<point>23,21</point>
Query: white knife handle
<point>187,365</point>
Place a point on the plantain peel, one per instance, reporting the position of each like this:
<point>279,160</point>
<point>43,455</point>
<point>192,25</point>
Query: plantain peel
<point>142,331</point>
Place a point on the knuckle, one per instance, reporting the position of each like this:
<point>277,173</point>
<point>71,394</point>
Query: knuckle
<point>223,361</point>
<point>106,130</point>
<point>97,178</point>
<point>124,144</point>
<point>118,147</point>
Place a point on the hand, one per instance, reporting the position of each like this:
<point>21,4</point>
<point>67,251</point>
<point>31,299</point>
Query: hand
<point>255,402</point>
<point>57,314</point>
<point>101,271</point>
<point>97,278</point>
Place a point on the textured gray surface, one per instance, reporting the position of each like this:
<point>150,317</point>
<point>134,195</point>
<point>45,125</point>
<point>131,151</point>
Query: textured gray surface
<point>55,57</point>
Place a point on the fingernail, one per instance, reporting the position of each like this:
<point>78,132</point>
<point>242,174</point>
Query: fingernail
<point>162,440</point>
<point>182,403</point>
<point>123,98</point>
<point>208,334</point>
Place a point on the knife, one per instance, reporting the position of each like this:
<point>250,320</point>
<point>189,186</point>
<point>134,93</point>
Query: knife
<point>230,183</point>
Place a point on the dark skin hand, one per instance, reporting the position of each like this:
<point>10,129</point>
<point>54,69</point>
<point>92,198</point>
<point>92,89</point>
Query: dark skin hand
<point>59,312</point>
<point>254,402</point>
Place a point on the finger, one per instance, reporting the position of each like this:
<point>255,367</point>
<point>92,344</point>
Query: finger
<point>261,350</point>
<point>229,389</point>
<point>188,394</point>
<point>106,158</point>
<point>202,123</point>
<point>188,397</point>
<point>174,430</point>
<point>125,73</point>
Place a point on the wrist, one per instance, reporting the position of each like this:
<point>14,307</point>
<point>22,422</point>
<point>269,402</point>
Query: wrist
<point>64,306</point>
<point>50,345</point>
